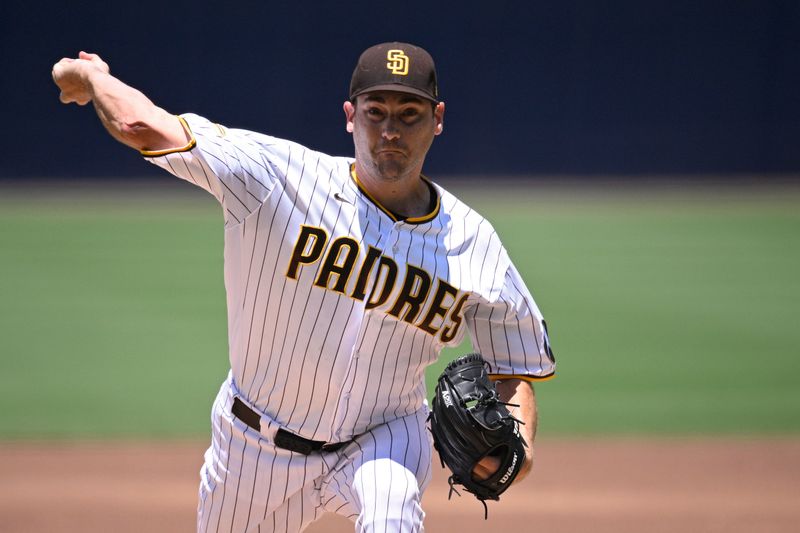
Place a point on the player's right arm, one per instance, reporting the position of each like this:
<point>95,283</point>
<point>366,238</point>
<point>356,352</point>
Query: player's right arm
<point>128,115</point>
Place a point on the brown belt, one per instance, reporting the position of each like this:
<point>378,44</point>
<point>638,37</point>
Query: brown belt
<point>284,439</point>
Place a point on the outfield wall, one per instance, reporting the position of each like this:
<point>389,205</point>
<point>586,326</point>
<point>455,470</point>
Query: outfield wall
<point>539,87</point>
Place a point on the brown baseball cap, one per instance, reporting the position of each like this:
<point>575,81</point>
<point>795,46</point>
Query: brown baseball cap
<point>399,67</point>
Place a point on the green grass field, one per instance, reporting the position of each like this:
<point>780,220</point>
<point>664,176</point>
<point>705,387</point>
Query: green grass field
<point>670,311</point>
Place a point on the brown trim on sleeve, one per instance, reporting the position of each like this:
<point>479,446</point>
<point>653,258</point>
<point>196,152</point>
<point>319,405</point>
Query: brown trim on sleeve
<point>529,379</point>
<point>191,144</point>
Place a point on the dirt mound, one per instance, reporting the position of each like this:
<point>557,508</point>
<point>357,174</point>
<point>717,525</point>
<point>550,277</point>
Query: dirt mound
<point>602,485</point>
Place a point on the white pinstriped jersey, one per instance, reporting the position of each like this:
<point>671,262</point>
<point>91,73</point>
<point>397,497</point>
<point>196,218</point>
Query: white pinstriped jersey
<point>336,307</point>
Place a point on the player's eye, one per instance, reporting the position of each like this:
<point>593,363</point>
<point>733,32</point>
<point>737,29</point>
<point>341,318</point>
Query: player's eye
<point>374,112</point>
<point>410,115</point>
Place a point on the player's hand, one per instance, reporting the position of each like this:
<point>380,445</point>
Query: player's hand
<point>72,77</point>
<point>486,467</point>
<point>489,465</point>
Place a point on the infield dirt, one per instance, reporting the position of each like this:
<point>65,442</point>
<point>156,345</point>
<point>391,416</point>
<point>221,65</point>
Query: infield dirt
<point>588,485</point>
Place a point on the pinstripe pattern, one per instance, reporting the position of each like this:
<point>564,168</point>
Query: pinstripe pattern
<point>330,342</point>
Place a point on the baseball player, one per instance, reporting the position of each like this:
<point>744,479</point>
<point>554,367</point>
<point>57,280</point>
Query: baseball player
<point>345,278</point>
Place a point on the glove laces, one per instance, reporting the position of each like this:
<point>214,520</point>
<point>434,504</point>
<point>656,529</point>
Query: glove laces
<point>451,481</point>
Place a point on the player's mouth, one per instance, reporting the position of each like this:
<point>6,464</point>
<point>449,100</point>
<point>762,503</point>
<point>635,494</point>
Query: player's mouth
<point>392,151</point>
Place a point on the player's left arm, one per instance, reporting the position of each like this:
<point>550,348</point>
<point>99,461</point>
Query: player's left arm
<point>520,392</point>
<point>522,354</point>
<point>517,392</point>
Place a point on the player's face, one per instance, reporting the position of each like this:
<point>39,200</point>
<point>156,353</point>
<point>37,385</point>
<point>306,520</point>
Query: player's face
<point>392,132</point>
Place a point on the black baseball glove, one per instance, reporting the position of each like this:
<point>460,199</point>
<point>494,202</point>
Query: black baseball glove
<point>469,422</point>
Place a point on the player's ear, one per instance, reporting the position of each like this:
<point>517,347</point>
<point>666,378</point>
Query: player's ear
<point>438,116</point>
<point>349,113</point>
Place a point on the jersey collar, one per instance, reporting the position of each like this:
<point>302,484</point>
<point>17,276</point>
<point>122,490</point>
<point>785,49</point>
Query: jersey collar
<point>395,217</point>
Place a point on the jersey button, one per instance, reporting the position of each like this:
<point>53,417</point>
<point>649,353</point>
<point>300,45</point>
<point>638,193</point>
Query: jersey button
<point>395,248</point>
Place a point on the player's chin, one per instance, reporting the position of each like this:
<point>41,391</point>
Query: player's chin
<point>391,168</point>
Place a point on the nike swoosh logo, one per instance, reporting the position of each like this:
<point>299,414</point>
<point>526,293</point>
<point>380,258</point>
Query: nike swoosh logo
<point>341,198</point>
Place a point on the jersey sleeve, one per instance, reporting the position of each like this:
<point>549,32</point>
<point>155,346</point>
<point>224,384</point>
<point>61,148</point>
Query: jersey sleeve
<point>510,333</point>
<point>239,168</point>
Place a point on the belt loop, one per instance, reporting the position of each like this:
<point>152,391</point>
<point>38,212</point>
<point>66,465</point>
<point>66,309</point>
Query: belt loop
<point>277,435</point>
<point>253,418</point>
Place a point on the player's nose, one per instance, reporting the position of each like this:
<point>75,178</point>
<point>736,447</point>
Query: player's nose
<point>390,132</point>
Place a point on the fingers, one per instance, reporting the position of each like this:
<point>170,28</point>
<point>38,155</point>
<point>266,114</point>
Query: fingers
<point>60,65</point>
<point>95,59</point>
<point>57,72</point>
<point>65,99</point>
<point>71,75</point>
<point>66,75</point>
<point>486,467</point>
<point>58,68</point>
<point>85,56</point>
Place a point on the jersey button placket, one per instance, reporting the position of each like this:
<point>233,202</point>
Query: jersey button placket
<point>344,397</point>
<point>394,237</point>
